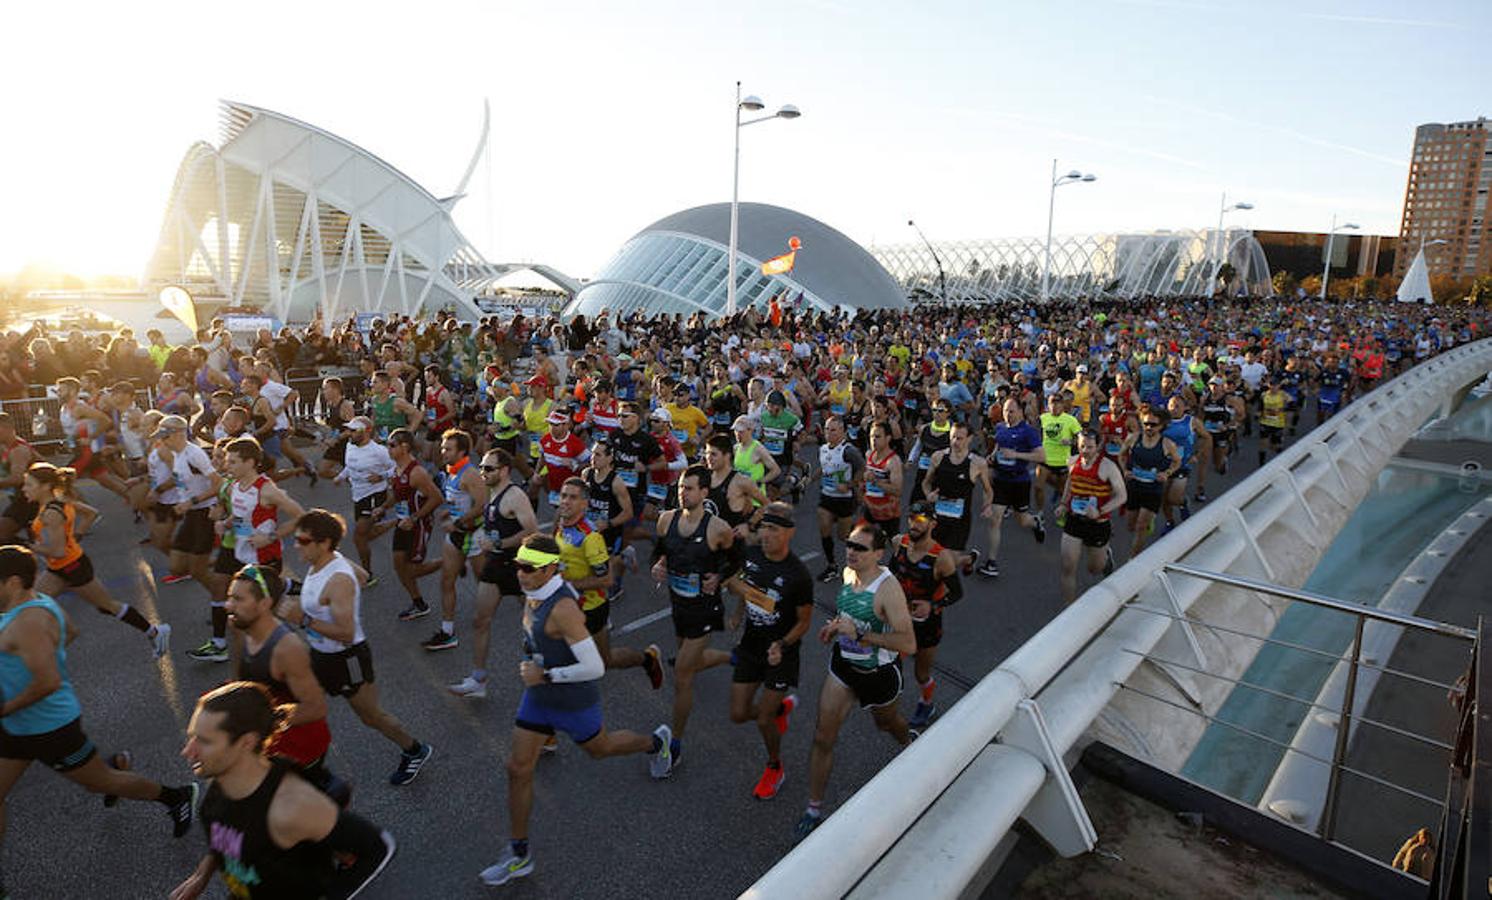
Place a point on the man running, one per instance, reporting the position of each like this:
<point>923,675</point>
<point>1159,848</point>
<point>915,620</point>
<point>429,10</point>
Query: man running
<point>40,718</point>
<point>690,555</point>
<point>883,481</point>
<point>560,671</point>
<point>730,495</point>
<point>367,468</point>
<point>924,567</point>
<point>776,592</point>
<point>1017,444</point>
<point>465,495</point>
<point>1095,489</point>
<point>331,605</point>
<point>1149,460</point>
<point>15,457</point>
<point>1059,431</point>
<point>841,466</point>
<point>507,518</point>
<point>949,485</point>
<point>409,512</point>
<point>871,627</point>
<point>270,832</point>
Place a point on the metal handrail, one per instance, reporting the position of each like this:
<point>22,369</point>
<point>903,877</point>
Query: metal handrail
<point>1069,670</point>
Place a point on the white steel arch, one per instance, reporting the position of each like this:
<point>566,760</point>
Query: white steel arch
<point>1163,263</point>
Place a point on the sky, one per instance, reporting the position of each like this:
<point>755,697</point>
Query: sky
<point>608,116</point>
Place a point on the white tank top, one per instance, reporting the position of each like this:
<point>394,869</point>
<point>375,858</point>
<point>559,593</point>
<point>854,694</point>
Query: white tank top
<point>310,604</point>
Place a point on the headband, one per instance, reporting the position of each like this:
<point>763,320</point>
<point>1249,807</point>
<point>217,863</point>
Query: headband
<point>536,557</point>
<point>777,519</point>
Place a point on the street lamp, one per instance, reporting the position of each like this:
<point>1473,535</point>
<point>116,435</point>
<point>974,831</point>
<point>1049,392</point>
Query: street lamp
<point>1222,241</point>
<point>942,281</point>
<point>750,103</point>
<point>1071,177</point>
<point>1331,236</point>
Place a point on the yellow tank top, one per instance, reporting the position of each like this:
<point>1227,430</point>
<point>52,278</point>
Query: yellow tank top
<point>839,400</point>
<point>536,422</point>
<point>1273,415</point>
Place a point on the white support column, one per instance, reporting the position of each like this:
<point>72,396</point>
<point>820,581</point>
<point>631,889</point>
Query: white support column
<point>1056,812</point>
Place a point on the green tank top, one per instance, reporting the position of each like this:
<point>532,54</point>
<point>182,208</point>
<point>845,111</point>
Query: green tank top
<point>385,417</point>
<point>746,466</point>
<point>507,426</point>
<point>225,498</point>
<point>860,606</point>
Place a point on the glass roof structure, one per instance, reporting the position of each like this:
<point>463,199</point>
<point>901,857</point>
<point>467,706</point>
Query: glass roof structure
<point>678,265</point>
<point>1159,264</point>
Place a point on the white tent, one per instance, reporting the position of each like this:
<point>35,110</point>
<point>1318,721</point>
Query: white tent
<point>1416,283</point>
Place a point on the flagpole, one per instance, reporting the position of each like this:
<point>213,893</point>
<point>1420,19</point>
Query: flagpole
<point>735,202</point>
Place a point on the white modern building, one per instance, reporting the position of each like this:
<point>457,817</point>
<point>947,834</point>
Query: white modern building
<point>285,217</point>
<point>1160,264</point>
<point>678,265</point>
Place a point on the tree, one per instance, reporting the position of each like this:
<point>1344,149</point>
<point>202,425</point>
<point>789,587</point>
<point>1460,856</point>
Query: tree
<point>1311,284</point>
<point>1480,293</point>
<point>1225,275</point>
<point>1284,283</point>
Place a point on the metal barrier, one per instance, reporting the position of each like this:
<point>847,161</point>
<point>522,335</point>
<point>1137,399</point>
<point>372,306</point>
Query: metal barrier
<point>997,755</point>
<point>1463,866</point>
<point>37,419</point>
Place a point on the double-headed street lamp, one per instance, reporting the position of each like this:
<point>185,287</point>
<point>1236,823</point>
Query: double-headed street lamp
<point>751,104</point>
<point>1070,178</point>
<point>942,279</point>
<point>1331,237</point>
<point>1222,240</point>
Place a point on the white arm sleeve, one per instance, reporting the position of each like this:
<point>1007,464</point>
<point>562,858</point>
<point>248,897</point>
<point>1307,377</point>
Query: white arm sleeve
<point>588,665</point>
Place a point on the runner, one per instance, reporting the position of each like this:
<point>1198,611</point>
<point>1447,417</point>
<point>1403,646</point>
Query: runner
<point>949,487</point>
<point>1095,489</point>
<point>68,567</point>
<point>841,467</point>
<point>16,456</point>
<point>1273,403</point>
<point>562,455</point>
<point>367,468</point>
<point>924,568</point>
<point>750,456</point>
<point>729,494</point>
<point>635,451</point>
<point>1017,444</point>
<point>40,718</point>
<point>465,495</point>
<point>559,673</point>
<point>409,511</point>
<point>507,518</point>
<point>609,509</point>
<point>1149,460</point>
<point>870,628</point>
<point>781,429</point>
<point>1059,431</point>
<point>388,409</point>
<point>269,832</point>
<point>692,555</point>
<point>339,411</point>
<point>883,482</point>
<point>331,606</point>
<point>776,602</point>
<point>931,438</point>
<point>1186,432</point>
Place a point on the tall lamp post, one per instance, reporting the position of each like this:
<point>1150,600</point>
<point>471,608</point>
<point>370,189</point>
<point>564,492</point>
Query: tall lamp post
<point>1071,177</point>
<point>1222,240</point>
<point>750,103</point>
<point>942,280</point>
<point>1331,237</point>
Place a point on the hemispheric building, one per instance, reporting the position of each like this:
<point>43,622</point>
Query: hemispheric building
<point>678,265</point>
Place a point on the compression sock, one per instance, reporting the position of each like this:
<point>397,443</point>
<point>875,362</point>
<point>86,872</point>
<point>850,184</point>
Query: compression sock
<point>131,617</point>
<point>520,848</point>
<point>827,542</point>
<point>815,808</point>
<point>170,796</point>
<point>419,602</point>
<point>219,623</point>
<point>928,687</point>
<point>448,627</point>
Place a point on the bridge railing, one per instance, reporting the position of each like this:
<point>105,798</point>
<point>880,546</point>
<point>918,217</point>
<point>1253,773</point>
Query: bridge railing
<point>998,754</point>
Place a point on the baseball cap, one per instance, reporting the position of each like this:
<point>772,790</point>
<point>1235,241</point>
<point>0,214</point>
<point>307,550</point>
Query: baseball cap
<point>358,423</point>
<point>557,416</point>
<point>538,381</point>
<point>1083,367</point>
<point>661,415</point>
<point>170,424</point>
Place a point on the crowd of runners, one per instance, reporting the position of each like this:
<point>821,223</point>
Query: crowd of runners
<point>546,460</point>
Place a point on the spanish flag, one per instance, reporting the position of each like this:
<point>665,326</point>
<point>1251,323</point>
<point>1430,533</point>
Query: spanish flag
<point>781,265</point>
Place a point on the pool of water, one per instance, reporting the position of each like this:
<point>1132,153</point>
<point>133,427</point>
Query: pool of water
<point>1405,510</point>
<point>1471,421</point>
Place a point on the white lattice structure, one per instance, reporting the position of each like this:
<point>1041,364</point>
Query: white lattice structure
<point>296,221</point>
<point>1163,263</point>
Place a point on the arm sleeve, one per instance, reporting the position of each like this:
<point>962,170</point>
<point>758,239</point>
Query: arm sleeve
<point>368,848</point>
<point>587,666</point>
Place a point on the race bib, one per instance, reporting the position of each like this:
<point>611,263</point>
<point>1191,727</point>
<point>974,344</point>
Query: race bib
<point>924,461</point>
<point>1114,448</point>
<point>854,651</point>
<point>554,499</point>
<point>837,408</point>
<point>657,491</point>
<point>686,586</point>
<point>1004,459</point>
<point>401,509</point>
<point>1146,476</point>
<point>950,508</point>
<point>1213,427</point>
<point>853,431</point>
<point>1081,505</point>
<point>874,489</point>
<point>242,529</point>
<point>681,435</point>
<point>533,445</point>
<point>629,477</point>
<point>830,485</point>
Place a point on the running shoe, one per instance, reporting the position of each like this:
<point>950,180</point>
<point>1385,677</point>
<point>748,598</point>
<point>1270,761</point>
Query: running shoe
<point>1108,560</point>
<point>652,663</point>
<point>209,652</point>
<point>829,574</point>
<point>968,567</point>
<point>629,558</point>
<point>806,825</point>
<point>506,869</point>
<point>440,641</point>
<point>990,569</point>
<point>1038,531</point>
<point>785,712</point>
<point>415,611</point>
<point>183,811</point>
<point>469,687</point>
<point>122,761</point>
<point>1200,496</point>
<point>161,640</point>
<point>662,762</point>
<point>770,783</point>
<point>551,745</point>
<point>922,715</point>
<point>175,579</point>
<point>410,764</point>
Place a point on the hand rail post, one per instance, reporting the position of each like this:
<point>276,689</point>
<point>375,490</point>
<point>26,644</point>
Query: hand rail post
<point>1344,724</point>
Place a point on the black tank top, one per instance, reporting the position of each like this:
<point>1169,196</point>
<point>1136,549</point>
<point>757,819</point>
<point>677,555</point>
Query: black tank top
<point>690,558</point>
<point>916,578</point>
<point>1145,462</point>
<point>498,526</point>
<point>603,505</point>
<point>255,667</point>
<point>238,837</point>
<point>717,500</point>
<point>954,486</point>
<point>334,416</point>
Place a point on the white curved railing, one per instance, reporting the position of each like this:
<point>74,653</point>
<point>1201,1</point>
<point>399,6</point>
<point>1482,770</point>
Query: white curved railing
<point>952,796</point>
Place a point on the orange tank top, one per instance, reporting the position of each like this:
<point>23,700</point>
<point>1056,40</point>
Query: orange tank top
<point>1088,486</point>
<point>72,551</point>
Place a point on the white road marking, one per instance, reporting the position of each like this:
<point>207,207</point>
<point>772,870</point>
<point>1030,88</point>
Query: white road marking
<point>645,621</point>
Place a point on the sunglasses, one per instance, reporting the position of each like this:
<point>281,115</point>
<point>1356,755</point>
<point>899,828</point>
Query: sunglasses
<point>856,546</point>
<point>303,540</point>
<point>487,468</point>
<point>1151,424</point>
<point>527,568</point>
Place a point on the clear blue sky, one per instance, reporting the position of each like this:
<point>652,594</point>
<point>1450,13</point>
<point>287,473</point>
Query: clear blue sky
<point>608,116</point>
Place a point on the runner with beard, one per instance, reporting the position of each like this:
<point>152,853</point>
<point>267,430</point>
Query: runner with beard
<point>924,568</point>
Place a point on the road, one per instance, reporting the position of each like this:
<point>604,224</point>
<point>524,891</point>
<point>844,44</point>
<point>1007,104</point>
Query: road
<point>600,829</point>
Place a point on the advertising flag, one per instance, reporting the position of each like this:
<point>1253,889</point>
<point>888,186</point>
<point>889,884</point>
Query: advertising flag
<point>181,305</point>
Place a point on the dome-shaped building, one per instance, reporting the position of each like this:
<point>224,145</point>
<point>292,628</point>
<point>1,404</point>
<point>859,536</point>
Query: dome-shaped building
<point>678,265</point>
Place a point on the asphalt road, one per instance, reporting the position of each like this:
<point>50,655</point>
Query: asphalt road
<point>600,828</point>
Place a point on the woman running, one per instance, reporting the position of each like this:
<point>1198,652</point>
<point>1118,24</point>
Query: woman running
<point>68,568</point>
